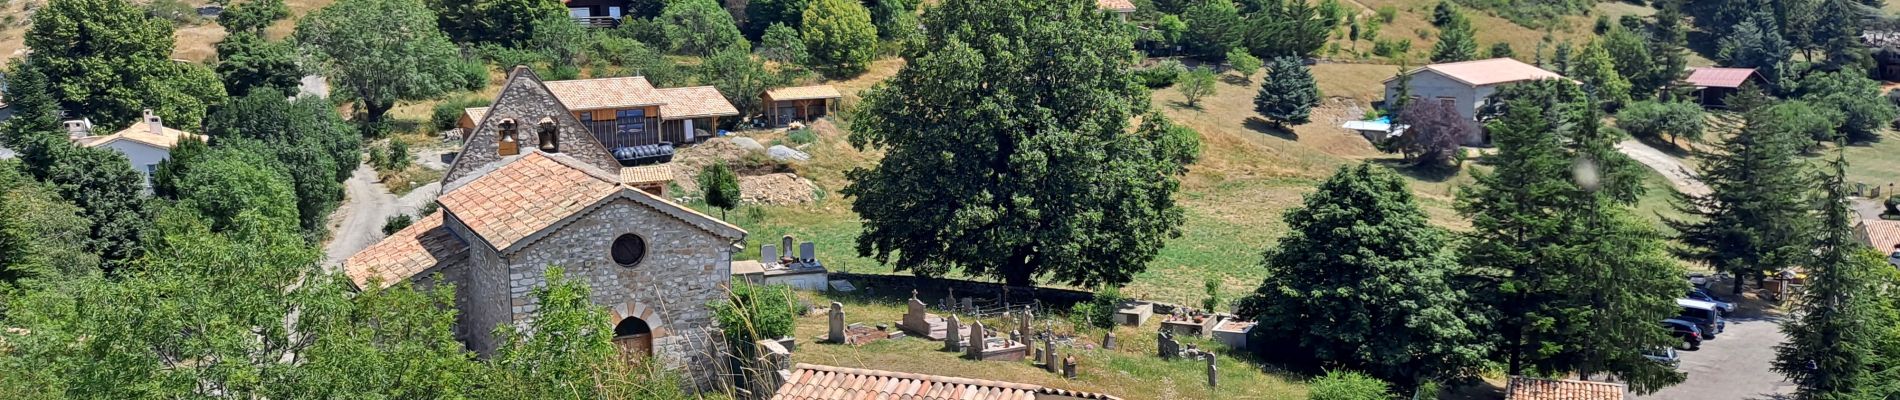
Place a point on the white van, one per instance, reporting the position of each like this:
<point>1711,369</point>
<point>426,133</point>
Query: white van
<point>1706,315</point>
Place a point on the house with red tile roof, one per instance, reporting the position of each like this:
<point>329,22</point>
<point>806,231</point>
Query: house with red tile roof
<point>824,382</point>
<point>1466,85</point>
<point>1528,388</point>
<point>146,143</point>
<point>1712,84</point>
<point>629,111</point>
<point>1882,235</point>
<point>1121,8</point>
<point>533,189</point>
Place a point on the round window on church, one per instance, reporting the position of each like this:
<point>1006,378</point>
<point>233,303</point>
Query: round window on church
<point>629,249</point>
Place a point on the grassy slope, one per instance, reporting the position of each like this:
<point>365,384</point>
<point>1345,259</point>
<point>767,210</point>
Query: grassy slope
<point>1131,371</point>
<point>192,43</point>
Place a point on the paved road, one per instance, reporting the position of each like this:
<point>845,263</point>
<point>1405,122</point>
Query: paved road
<point>1734,366</point>
<point>1679,175</point>
<point>358,222</point>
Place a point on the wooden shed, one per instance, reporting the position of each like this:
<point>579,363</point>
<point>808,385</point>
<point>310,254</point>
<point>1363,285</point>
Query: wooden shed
<point>802,103</point>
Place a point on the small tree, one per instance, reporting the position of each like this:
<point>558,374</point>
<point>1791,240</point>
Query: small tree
<point>1289,94</point>
<point>698,27</point>
<point>1433,130</point>
<point>1457,41</point>
<point>378,52</point>
<point>839,36</point>
<point>783,45</point>
<point>720,187</point>
<point>1198,83</point>
<point>1213,301</point>
<point>1655,119</point>
<point>1502,50</point>
<point>1244,63</point>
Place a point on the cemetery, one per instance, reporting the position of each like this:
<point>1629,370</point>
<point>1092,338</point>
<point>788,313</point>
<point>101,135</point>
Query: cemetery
<point>959,334</point>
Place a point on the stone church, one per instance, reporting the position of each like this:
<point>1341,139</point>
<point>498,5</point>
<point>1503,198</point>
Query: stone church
<point>533,188</point>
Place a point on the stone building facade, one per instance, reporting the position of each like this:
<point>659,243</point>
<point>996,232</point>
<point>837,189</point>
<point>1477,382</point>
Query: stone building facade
<point>653,266</point>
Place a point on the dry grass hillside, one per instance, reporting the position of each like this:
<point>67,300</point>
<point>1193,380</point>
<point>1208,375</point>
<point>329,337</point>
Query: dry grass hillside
<point>194,41</point>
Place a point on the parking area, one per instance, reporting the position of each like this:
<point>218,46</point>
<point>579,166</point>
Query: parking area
<point>1736,365</point>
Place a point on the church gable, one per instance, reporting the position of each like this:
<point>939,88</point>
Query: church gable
<point>524,118</point>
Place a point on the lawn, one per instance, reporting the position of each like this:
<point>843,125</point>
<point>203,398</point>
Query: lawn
<point>1131,371</point>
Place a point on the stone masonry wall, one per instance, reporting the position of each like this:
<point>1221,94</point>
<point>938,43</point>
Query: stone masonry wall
<point>481,291</point>
<point>685,270</point>
<point>526,101</point>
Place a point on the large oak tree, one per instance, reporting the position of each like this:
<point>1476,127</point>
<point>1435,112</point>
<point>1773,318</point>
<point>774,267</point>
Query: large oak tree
<point>1009,152</point>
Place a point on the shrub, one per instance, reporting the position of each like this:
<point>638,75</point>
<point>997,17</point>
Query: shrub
<point>1101,309</point>
<point>1347,385</point>
<point>1391,48</point>
<point>1212,302</point>
<point>447,113</point>
<point>755,312</point>
<point>1388,13</point>
<point>472,73</point>
<point>802,136</point>
<point>396,223</point>
<point>1656,119</point>
<point>1160,76</point>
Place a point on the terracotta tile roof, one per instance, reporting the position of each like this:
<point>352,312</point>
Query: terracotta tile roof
<point>1488,72</point>
<point>411,251</point>
<point>646,174</point>
<point>142,133</point>
<point>524,195</point>
<point>475,113</point>
<point>694,102</point>
<point>816,382</point>
<point>602,93</point>
<point>1882,235</point>
<point>1525,388</point>
<point>1116,5</point>
<point>804,93</point>
<point>1719,77</point>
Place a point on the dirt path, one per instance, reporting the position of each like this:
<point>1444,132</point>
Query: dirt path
<point>1679,175</point>
<point>358,222</point>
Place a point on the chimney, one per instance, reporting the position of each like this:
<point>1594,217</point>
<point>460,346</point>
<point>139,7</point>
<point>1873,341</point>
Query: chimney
<point>78,128</point>
<point>152,120</point>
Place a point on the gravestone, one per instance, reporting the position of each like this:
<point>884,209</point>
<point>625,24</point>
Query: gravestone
<point>1049,352</point>
<point>768,254</point>
<point>785,242</point>
<point>807,252</point>
<point>1068,367</point>
<point>1108,340</point>
<point>952,340</point>
<point>1166,346</point>
<point>976,340</point>
<point>837,323</point>
<point>1028,316</point>
<point>967,304</point>
<point>1213,374</point>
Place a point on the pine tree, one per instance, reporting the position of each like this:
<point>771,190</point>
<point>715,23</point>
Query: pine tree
<point>1833,340</point>
<point>1597,71</point>
<point>1457,41</point>
<point>1573,282</point>
<point>1363,280</point>
<point>1754,217</point>
<point>1289,95</point>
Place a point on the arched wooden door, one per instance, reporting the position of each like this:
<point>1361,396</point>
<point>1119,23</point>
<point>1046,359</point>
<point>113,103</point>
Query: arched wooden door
<point>634,338</point>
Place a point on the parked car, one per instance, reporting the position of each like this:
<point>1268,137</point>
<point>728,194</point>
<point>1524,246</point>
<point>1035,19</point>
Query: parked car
<point>1705,314</point>
<point>1689,332</point>
<point>1703,294</point>
<point>1665,355</point>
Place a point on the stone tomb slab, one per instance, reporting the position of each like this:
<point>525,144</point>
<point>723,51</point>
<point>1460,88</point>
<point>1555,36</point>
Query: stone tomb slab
<point>1134,313</point>
<point>1188,326</point>
<point>1003,349</point>
<point>1233,333</point>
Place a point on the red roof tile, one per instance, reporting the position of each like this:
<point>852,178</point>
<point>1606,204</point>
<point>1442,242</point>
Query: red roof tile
<point>1488,72</point>
<point>822,382</point>
<point>525,195</point>
<point>1882,235</point>
<point>411,251</point>
<point>1719,77</point>
<point>1525,388</point>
